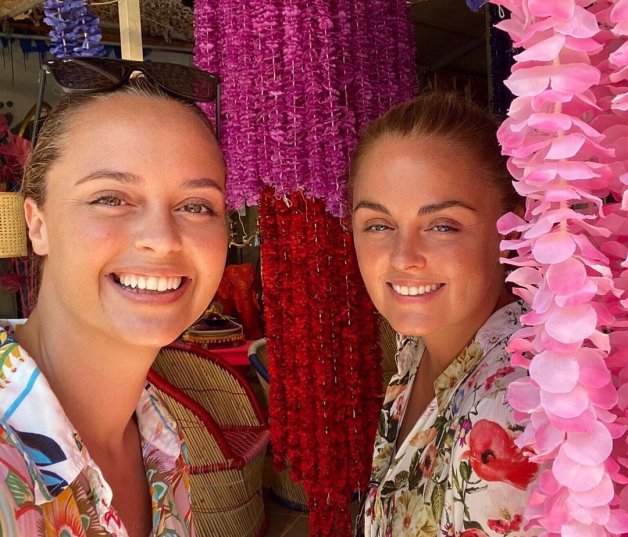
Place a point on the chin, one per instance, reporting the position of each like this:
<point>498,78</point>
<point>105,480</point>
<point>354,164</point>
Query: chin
<point>409,327</point>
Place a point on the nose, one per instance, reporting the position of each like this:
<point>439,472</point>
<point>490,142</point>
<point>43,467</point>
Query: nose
<point>158,232</point>
<point>408,251</point>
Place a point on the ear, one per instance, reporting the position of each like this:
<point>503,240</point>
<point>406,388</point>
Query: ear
<point>37,230</point>
<point>520,211</point>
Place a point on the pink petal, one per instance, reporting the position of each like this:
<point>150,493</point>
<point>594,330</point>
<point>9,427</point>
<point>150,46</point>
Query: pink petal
<point>528,82</point>
<point>583,423</point>
<point>589,449</point>
<point>575,529</point>
<point>543,51</point>
<point>620,11</point>
<point>566,405</point>
<point>571,324</point>
<point>555,372</point>
<point>561,10</point>
<point>581,296</point>
<point>523,396</point>
<point>567,277</point>
<point>600,494</point>
<point>588,515</point>
<point>574,78</point>
<point>593,370</point>
<point>604,397</point>
<point>566,146</point>
<point>548,438</point>
<point>582,24</point>
<point>510,222</point>
<point>575,476</point>
<point>618,522</point>
<point>553,248</point>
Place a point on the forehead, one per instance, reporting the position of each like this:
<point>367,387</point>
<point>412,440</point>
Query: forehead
<point>421,169</point>
<point>139,135</point>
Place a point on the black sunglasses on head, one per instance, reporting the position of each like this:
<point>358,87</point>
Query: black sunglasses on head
<point>93,75</point>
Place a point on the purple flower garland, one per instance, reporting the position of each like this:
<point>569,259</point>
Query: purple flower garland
<point>300,80</point>
<point>75,30</point>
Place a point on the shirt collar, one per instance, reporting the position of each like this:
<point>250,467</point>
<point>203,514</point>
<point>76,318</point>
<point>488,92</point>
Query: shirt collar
<point>495,331</point>
<point>50,444</point>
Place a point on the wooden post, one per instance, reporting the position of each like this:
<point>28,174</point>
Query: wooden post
<point>130,29</point>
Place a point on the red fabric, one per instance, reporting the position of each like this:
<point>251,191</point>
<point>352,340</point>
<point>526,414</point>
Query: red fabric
<point>238,295</point>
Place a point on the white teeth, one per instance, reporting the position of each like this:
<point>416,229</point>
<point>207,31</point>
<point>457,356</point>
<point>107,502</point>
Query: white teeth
<point>149,283</point>
<point>416,291</point>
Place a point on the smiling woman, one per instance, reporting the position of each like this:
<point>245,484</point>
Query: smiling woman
<point>428,185</point>
<point>125,208</point>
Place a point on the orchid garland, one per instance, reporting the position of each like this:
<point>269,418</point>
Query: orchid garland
<point>566,138</point>
<point>299,80</point>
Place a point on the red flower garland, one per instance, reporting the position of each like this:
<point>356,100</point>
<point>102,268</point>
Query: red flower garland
<point>324,369</point>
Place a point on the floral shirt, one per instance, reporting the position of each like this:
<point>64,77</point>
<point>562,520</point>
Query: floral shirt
<point>458,473</point>
<point>49,484</point>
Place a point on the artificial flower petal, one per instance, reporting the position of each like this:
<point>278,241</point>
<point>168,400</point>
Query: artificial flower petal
<point>553,248</point>
<point>571,324</point>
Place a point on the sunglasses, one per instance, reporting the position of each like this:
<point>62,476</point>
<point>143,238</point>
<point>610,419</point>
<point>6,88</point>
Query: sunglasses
<point>94,75</point>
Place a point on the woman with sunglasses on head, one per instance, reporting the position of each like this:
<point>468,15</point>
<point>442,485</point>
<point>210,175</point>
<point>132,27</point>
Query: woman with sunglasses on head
<point>126,210</point>
<point>428,184</point>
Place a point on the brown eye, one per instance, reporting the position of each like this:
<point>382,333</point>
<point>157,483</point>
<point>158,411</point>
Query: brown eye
<point>111,201</point>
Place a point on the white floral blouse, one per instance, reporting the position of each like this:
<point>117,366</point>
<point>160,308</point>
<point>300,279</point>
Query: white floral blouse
<point>458,473</point>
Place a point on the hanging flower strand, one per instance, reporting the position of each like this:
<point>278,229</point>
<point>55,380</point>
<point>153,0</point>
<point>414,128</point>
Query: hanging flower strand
<point>560,156</point>
<point>75,30</point>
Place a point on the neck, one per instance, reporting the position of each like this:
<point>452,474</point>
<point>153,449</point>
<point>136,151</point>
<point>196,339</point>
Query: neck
<point>442,347</point>
<point>97,379</point>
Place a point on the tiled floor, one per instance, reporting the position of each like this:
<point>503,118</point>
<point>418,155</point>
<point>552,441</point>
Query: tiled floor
<point>284,522</point>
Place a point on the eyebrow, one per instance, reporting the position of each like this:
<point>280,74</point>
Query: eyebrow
<point>123,177</point>
<point>425,210</point>
<point>132,179</point>
<point>435,207</point>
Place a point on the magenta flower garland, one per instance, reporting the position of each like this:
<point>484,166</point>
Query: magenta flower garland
<point>566,136</point>
<point>300,79</point>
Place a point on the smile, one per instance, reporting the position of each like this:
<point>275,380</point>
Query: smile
<point>416,291</point>
<point>148,283</point>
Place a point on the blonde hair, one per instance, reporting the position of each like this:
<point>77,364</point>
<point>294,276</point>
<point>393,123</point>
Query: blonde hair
<point>452,119</point>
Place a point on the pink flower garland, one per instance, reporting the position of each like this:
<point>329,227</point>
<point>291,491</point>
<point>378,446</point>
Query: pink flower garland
<point>566,137</point>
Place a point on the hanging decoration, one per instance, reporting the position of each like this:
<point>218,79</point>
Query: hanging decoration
<point>566,136</point>
<point>299,80</point>
<point>75,30</point>
<point>325,373</point>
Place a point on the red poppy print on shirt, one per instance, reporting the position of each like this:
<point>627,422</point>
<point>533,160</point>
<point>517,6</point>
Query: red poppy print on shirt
<point>495,457</point>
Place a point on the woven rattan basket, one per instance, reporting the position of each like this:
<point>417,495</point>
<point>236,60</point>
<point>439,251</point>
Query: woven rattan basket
<point>12,225</point>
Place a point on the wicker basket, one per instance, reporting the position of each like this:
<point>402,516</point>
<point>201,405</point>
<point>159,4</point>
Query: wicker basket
<point>283,489</point>
<point>226,435</point>
<point>12,225</point>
